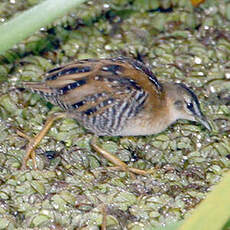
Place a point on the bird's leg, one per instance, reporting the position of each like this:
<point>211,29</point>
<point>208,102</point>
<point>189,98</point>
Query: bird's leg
<point>104,216</point>
<point>120,165</point>
<point>33,142</point>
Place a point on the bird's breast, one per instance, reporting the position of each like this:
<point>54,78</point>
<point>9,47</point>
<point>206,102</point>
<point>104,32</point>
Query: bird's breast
<point>146,124</point>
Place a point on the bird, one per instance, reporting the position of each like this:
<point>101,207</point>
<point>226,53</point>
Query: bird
<point>114,97</point>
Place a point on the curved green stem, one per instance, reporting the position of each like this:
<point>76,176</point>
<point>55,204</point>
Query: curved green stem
<point>25,24</point>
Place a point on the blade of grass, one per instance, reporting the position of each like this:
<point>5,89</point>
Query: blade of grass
<point>25,24</point>
<point>214,211</point>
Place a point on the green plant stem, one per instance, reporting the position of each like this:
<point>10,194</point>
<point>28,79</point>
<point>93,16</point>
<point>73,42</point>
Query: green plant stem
<point>25,24</point>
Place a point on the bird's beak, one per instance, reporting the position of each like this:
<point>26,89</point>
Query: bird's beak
<point>203,120</point>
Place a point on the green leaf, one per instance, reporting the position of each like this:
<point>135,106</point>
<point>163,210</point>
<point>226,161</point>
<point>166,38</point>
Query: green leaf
<point>25,24</point>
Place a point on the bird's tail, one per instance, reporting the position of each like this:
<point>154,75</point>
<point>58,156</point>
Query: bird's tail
<point>38,87</point>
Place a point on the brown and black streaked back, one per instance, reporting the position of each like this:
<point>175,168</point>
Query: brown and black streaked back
<point>102,93</point>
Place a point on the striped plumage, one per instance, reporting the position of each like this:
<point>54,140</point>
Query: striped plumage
<point>116,96</point>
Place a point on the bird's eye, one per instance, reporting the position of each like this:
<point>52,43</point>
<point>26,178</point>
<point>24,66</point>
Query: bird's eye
<point>190,106</point>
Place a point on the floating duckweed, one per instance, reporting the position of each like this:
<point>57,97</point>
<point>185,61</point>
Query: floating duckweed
<point>4,196</point>
<point>9,105</point>
<point>35,174</point>
<point>4,222</point>
<point>83,142</point>
<point>24,189</point>
<point>93,162</point>
<point>159,21</point>
<point>3,211</point>
<point>221,148</point>
<point>3,136</point>
<point>160,51</point>
<point>146,5</point>
<point>213,178</point>
<point>180,34</point>
<point>194,154</point>
<point>3,72</point>
<point>71,48</point>
<point>184,143</point>
<point>12,182</point>
<point>187,159</point>
<point>136,226</point>
<point>124,155</point>
<point>193,128</point>
<point>189,20</point>
<point>68,124</point>
<point>140,164</point>
<point>154,214</point>
<point>157,144</point>
<point>216,169</point>
<point>126,142</point>
<point>125,199</point>
<point>39,220</point>
<point>59,203</point>
<point>162,137</point>
<point>110,146</point>
<point>38,187</point>
<point>68,197</point>
<point>173,144</point>
<point>172,177</point>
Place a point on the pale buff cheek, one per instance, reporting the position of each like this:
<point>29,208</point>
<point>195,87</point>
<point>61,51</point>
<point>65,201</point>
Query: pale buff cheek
<point>186,116</point>
<point>180,114</point>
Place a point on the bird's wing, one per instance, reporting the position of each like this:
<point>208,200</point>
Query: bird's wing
<point>106,92</point>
